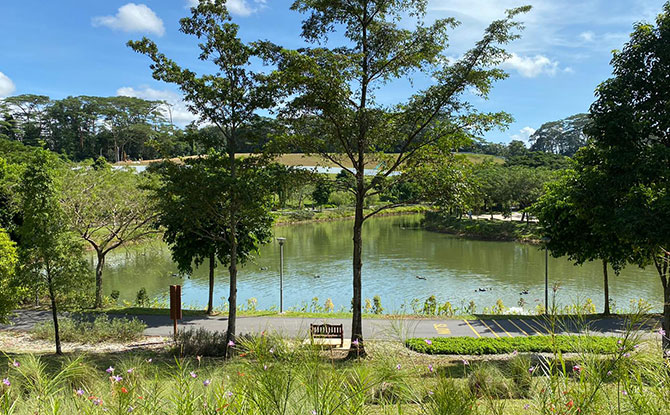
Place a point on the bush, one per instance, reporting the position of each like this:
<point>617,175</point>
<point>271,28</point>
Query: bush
<point>480,346</point>
<point>101,329</point>
<point>487,380</point>
<point>201,342</point>
<point>450,398</point>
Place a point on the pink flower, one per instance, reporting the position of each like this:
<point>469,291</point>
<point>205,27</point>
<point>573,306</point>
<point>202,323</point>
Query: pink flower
<point>398,366</point>
<point>430,368</point>
<point>130,370</point>
<point>661,332</point>
<point>428,342</point>
<point>117,378</point>
<point>355,343</point>
<point>6,382</point>
<point>16,364</point>
<point>466,363</point>
<point>231,344</point>
<point>109,370</point>
<point>80,392</point>
<point>624,393</point>
<point>206,382</point>
<point>577,368</point>
<point>526,406</point>
<point>193,375</point>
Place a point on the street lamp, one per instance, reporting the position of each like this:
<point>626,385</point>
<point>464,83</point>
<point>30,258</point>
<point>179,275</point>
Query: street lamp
<point>281,273</point>
<point>546,241</point>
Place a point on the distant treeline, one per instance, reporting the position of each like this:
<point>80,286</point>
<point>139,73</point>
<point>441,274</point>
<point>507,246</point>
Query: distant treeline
<point>116,128</point>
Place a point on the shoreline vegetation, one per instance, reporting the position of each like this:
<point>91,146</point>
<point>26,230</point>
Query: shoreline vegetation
<point>483,229</point>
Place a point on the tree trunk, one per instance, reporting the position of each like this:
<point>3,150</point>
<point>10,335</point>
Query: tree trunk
<point>357,321</point>
<point>523,216</point>
<point>54,313</point>
<point>606,311</point>
<point>212,265</point>
<point>232,269</point>
<point>98,280</point>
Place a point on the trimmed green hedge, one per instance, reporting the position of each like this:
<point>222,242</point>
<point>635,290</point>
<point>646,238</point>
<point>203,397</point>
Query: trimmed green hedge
<point>479,346</point>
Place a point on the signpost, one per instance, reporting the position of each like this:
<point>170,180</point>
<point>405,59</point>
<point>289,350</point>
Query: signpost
<point>175,305</point>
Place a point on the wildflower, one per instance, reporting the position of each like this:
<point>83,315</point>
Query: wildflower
<point>514,353</point>
<point>577,368</point>
<point>313,411</point>
<point>661,332</point>
<point>609,373</point>
<point>430,368</point>
<point>110,370</point>
<point>398,366</point>
<point>531,370</point>
<point>131,409</point>
<point>229,394</point>
<point>526,406</point>
<point>150,360</point>
<point>619,342</point>
<point>624,393</point>
<point>272,350</point>
<point>355,343</point>
<point>198,357</point>
<point>130,370</point>
<point>16,364</point>
<point>79,392</point>
<point>194,375</point>
<point>626,354</point>
<point>428,342</point>
<point>116,378</point>
<point>570,404</point>
<point>124,390</point>
<point>6,382</point>
<point>265,367</point>
<point>466,363</point>
<point>231,343</point>
<point>206,382</point>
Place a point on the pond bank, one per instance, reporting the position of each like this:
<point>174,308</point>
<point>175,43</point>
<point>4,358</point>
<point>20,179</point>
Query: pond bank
<point>483,229</point>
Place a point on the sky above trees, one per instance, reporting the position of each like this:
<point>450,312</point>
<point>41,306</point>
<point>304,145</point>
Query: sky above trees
<point>73,47</point>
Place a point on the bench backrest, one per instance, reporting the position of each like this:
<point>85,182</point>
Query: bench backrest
<point>326,329</point>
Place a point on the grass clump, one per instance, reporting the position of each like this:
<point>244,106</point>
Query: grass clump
<point>100,329</point>
<point>481,346</point>
<point>201,342</point>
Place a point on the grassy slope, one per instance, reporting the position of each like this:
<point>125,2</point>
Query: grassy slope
<point>483,229</point>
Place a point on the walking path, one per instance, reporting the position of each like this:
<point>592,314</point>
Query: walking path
<point>377,329</point>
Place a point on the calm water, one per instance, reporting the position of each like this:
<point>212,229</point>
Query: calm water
<point>395,252</point>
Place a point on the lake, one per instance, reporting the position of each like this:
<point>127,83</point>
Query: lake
<point>318,264</point>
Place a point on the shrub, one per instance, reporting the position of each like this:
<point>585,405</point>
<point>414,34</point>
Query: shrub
<point>377,305</point>
<point>141,298</point>
<point>101,329</point>
<point>430,305</point>
<point>449,398</point>
<point>521,375</point>
<point>480,346</point>
<point>487,380</point>
<point>201,342</point>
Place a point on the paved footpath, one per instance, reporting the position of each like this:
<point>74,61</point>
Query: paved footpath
<point>377,329</point>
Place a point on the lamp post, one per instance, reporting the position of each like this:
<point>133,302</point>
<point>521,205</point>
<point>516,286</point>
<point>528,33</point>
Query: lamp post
<point>546,241</point>
<point>281,274</point>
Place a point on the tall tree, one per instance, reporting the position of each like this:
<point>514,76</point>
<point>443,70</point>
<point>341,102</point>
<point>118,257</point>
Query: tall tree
<point>574,215</point>
<point>228,99</point>
<point>193,200</point>
<point>333,108</point>
<point>108,209</point>
<point>51,257</point>
<point>28,113</point>
<point>563,137</point>
<point>630,131</point>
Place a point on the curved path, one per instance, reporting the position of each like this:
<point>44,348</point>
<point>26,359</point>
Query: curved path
<point>378,329</point>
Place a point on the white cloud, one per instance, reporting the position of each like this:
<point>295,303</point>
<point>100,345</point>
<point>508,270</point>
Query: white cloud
<point>177,111</point>
<point>587,36</point>
<point>524,134</point>
<point>132,18</point>
<point>238,7</point>
<point>533,66</point>
<point>7,87</point>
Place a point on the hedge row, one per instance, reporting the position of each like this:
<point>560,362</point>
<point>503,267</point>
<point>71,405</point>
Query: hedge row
<point>479,346</point>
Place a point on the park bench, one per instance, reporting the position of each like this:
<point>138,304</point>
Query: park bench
<point>327,331</point>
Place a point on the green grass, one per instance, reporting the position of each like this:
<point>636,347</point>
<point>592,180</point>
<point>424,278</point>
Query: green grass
<point>490,230</point>
<point>482,346</point>
<point>100,329</point>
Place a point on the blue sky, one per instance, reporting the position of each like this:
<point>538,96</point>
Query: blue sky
<point>67,47</point>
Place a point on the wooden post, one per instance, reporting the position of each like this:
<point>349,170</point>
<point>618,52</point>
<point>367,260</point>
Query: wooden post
<point>175,305</point>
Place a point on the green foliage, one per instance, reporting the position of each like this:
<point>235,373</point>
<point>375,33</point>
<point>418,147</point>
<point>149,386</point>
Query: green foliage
<point>51,257</point>
<point>321,193</point>
<point>480,346</point>
<point>101,329</point>
<point>141,298</point>
<point>377,305</point>
<point>488,380</point>
<point>107,209</point>
<point>563,137</point>
<point>8,280</point>
<point>481,228</point>
<point>201,342</point>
